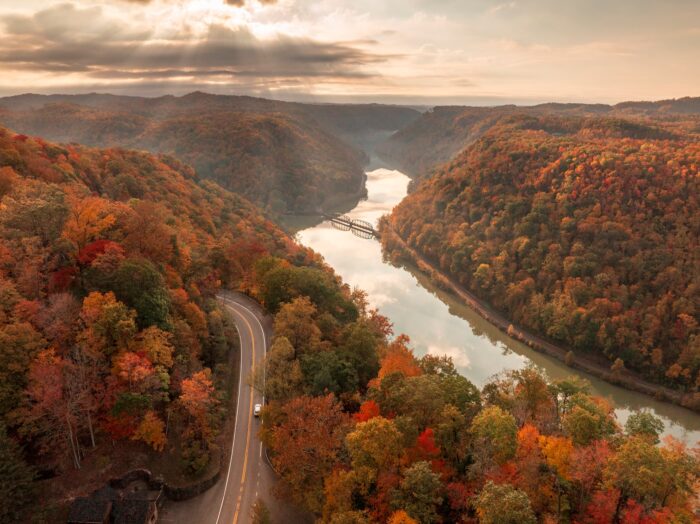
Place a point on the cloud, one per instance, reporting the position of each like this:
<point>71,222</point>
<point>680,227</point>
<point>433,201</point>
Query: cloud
<point>502,7</point>
<point>67,39</point>
<point>235,3</point>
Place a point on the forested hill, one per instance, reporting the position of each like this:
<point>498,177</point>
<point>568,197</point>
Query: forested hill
<point>440,134</point>
<point>109,262</point>
<point>284,156</point>
<point>584,230</point>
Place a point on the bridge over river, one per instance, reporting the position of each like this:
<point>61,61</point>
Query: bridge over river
<point>357,227</point>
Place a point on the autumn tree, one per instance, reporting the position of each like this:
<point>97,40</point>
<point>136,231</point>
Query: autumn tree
<point>35,210</point>
<point>155,344</point>
<point>307,445</point>
<point>368,410</point>
<point>108,325</point>
<point>587,466</point>
<point>197,400</point>
<point>295,321</point>
<point>151,430</point>
<point>51,405</point>
<point>398,358</point>
<point>419,493</point>
<point>19,344</point>
<point>87,220</point>
<point>401,517</point>
<point>503,504</point>
<point>147,235</point>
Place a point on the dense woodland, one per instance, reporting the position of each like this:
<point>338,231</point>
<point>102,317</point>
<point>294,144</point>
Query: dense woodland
<point>360,431</point>
<point>583,230</point>
<point>109,327</point>
<point>283,156</point>
<point>442,132</point>
<point>111,335</point>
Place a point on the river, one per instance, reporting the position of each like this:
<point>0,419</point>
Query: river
<point>438,323</point>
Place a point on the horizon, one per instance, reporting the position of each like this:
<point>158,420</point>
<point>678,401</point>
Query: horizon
<point>305,99</point>
<point>481,52</point>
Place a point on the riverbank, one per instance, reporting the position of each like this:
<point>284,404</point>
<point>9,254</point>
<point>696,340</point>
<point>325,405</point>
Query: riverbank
<point>623,378</point>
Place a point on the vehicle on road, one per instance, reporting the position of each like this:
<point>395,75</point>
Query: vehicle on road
<point>257,409</point>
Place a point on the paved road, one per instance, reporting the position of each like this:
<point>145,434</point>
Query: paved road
<point>246,474</point>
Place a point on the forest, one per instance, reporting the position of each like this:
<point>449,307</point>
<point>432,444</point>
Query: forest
<point>282,156</point>
<point>114,348</point>
<point>111,340</point>
<point>360,431</point>
<point>583,230</point>
<point>444,131</point>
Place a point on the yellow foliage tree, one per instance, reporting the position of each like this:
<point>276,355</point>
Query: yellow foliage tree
<point>155,343</point>
<point>87,220</point>
<point>401,517</point>
<point>557,452</point>
<point>151,430</point>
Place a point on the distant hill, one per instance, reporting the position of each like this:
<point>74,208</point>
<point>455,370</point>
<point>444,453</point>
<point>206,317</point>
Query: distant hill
<point>440,134</point>
<point>285,156</point>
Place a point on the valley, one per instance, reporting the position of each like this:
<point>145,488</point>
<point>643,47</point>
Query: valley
<point>332,262</point>
<point>438,322</point>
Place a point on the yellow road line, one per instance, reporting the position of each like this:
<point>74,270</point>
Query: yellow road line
<point>250,421</point>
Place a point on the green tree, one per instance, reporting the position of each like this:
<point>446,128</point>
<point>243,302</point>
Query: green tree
<point>494,434</point>
<point>280,376</point>
<point>644,424</point>
<point>588,419</point>
<point>295,321</point>
<point>419,493</point>
<point>374,446</point>
<point>649,474</point>
<point>503,504</point>
<point>139,285</point>
<point>327,371</point>
<point>360,349</point>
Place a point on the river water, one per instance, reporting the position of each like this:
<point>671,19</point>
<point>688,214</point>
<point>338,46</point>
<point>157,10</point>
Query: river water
<point>438,323</point>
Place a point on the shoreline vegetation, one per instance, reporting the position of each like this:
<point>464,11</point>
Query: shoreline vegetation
<point>625,378</point>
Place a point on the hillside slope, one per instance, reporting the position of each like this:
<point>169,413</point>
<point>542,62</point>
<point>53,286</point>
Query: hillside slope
<point>440,134</point>
<point>585,231</point>
<point>109,328</point>
<point>284,156</point>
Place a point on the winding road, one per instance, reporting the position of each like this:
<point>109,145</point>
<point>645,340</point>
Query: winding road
<point>246,474</point>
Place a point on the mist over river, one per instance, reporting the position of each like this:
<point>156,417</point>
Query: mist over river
<point>438,323</point>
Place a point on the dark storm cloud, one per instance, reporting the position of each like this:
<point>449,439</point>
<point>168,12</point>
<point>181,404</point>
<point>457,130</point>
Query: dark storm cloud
<point>68,39</point>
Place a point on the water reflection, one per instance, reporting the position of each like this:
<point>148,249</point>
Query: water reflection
<point>437,322</point>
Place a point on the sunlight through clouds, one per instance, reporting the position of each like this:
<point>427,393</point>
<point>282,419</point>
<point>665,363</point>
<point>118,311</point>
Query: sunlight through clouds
<point>483,51</point>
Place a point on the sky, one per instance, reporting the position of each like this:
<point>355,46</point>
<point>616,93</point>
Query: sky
<point>395,51</point>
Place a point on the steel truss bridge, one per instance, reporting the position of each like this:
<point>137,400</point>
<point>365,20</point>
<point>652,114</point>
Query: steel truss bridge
<point>359,228</point>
